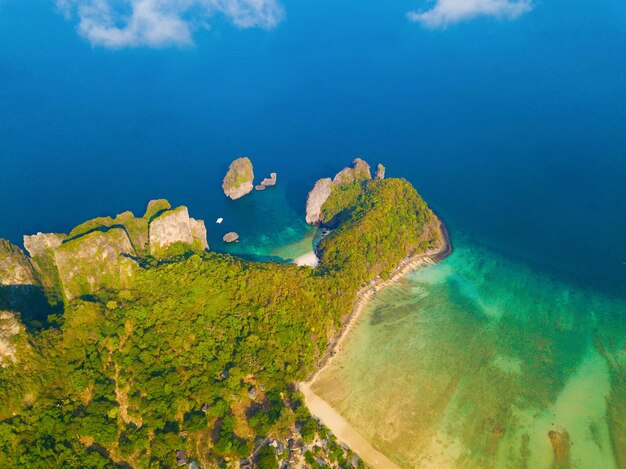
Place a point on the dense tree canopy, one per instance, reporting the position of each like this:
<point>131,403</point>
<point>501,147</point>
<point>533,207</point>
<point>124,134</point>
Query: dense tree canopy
<point>168,364</point>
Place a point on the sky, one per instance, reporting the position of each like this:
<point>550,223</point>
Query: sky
<point>165,23</point>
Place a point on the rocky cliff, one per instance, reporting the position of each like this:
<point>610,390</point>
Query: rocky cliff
<point>15,269</point>
<point>155,207</point>
<point>380,172</point>
<point>41,248</point>
<point>318,195</point>
<point>239,179</point>
<point>97,260</point>
<point>10,327</point>
<point>175,226</point>
<point>359,171</point>
<point>100,253</point>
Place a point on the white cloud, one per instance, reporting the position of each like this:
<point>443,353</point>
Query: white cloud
<point>446,12</point>
<point>158,23</point>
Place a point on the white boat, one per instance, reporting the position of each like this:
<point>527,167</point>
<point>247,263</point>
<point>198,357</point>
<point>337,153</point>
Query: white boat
<point>219,220</point>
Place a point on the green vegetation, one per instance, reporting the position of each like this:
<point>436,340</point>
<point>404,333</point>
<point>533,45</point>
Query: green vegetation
<point>166,360</point>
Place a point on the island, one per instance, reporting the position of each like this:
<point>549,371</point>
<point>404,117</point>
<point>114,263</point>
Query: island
<point>128,342</point>
<point>239,179</point>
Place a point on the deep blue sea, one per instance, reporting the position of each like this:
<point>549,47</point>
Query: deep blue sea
<point>514,131</point>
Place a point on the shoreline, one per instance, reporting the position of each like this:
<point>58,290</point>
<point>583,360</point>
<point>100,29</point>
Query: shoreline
<point>309,259</point>
<point>323,411</point>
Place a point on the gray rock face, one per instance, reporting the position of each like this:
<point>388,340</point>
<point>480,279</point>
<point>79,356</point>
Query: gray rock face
<point>318,195</point>
<point>9,328</point>
<point>270,181</point>
<point>41,248</point>
<point>380,171</point>
<point>198,232</point>
<point>41,244</point>
<point>155,207</point>
<point>173,226</point>
<point>239,179</point>
<point>344,177</point>
<point>99,259</point>
<point>15,268</point>
<point>359,171</point>
<point>231,237</point>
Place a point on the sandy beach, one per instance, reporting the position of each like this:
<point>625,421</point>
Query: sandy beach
<point>319,408</point>
<point>309,259</point>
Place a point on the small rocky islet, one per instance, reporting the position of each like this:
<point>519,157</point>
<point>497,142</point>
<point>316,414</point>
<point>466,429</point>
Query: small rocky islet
<point>239,180</point>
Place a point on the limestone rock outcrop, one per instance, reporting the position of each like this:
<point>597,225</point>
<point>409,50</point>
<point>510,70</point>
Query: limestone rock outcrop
<point>41,248</point>
<point>359,171</point>
<point>98,254</point>
<point>99,259</point>
<point>9,328</point>
<point>270,181</point>
<point>380,171</point>
<point>15,268</point>
<point>318,195</point>
<point>175,226</point>
<point>155,207</point>
<point>239,178</point>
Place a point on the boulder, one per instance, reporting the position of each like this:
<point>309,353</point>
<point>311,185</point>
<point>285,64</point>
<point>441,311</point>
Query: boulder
<point>380,171</point>
<point>259,187</point>
<point>231,237</point>
<point>318,195</point>
<point>239,179</point>
<point>175,226</point>
<point>15,268</point>
<point>98,260</point>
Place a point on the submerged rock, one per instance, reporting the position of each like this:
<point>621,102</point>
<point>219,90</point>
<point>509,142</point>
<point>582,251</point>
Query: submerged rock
<point>239,178</point>
<point>318,195</point>
<point>560,441</point>
<point>231,237</point>
<point>380,171</point>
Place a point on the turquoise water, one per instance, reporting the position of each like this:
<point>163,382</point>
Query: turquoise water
<point>513,131</point>
<point>473,362</point>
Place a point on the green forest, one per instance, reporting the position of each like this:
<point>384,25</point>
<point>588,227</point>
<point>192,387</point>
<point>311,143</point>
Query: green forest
<point>201,352</point>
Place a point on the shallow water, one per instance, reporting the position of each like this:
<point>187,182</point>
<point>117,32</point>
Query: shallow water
<point>472,362</point>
